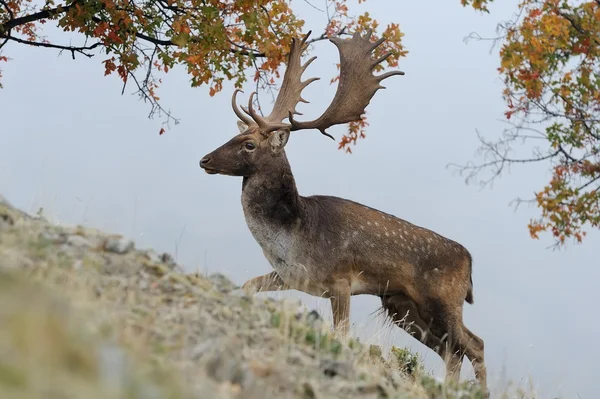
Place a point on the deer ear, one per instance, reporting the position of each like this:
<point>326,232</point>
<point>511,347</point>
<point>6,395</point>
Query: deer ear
<point>278,140</point>
<point>242,127</point>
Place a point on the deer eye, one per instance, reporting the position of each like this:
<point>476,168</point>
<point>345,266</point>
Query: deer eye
<point>250,146</point>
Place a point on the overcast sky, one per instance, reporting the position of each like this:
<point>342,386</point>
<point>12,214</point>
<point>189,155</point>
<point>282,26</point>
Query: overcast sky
<point>70,143</point>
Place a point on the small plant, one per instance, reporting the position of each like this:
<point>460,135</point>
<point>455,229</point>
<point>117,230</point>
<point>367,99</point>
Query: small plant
<point>407,361</point>
<point>276,320</point>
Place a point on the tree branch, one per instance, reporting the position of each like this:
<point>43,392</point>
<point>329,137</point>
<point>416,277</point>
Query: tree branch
<point>590,182</point>
<point>73,49</point>
<point>577,26</point>
<point>44,14</point>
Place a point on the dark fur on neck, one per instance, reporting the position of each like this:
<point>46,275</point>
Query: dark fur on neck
<point>271,194</point>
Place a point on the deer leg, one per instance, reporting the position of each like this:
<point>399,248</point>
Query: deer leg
<point>474,350</point>
<point>446,322</point>
<point>340,306</point>
<point>404,313</point>
<point>264,283</point>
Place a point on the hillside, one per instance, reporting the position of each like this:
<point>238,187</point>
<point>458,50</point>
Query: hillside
<point>84,314</point>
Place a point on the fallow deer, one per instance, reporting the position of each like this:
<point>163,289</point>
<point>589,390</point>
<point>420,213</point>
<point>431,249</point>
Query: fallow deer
<point>334,247</point>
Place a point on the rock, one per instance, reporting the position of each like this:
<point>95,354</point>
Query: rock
<point>222,283</point>
<point>168,260</point>
<point>6,221</point>
<point>312,318</point>
<point>153,256</point>
<point>332,368</point>
<point>118,245</point>
<point>77,241</point>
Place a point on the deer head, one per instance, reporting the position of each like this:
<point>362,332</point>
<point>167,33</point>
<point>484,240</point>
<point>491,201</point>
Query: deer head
<point>262,139</point>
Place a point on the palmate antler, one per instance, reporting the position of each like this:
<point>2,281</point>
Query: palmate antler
<point>356,87</point>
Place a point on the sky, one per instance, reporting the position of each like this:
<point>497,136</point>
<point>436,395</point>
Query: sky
<point>71,144</point>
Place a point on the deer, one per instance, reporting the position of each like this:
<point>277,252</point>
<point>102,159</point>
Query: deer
<point>336,248</point>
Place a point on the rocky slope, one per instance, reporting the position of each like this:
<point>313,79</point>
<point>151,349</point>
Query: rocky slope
<point>84,314</point>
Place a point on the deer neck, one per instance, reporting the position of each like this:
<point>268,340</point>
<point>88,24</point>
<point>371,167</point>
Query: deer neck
<point>270,198</point>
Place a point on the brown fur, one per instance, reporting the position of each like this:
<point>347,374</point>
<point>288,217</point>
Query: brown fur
<point>333,247</point>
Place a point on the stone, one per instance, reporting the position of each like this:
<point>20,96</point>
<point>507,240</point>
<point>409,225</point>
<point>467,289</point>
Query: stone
<point>222,283</point>
<point>332,368</point>
<point>118,245</point>
<point>77,241</point>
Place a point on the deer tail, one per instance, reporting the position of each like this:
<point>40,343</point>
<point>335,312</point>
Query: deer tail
<point>469,297</point>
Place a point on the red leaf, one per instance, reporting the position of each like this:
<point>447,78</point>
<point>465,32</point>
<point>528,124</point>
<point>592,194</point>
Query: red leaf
<point>162,130</point>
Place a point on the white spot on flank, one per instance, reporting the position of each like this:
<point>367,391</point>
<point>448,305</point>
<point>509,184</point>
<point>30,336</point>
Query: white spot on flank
<point>393,232</point>
<point>387,234</point>
<point>376,223</point>
<point>362,227</point>
<point>369,223</point>
<point>378,235</point>
<point>436,270</point>
<point>355,233</point>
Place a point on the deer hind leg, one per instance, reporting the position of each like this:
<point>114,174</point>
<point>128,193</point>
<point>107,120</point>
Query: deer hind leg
<point>460,341</point>
<point>404,313</point>
<point>474,349</point>
<point>469,344</point>
<point>264,283</point>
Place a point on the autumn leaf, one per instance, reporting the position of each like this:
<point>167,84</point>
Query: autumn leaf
<point>550,65</point>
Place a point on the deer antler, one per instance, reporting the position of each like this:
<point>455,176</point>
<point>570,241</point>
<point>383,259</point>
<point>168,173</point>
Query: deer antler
<point>289,95</point>
<point>356,87</point>
<point>357,83</point>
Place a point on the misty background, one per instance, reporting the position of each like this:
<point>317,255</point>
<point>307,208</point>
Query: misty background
<point>72,145</point>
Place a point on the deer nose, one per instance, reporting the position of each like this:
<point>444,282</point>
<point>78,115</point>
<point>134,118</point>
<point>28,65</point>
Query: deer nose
<point>205,161</point>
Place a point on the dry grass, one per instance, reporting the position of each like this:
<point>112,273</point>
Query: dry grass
<point>83,314</point>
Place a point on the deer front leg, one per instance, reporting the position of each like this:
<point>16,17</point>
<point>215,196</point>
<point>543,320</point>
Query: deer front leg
<point>264,283</point>
<point>340,306</point>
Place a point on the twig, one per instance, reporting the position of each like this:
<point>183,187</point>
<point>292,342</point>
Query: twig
<point>72,49</point>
